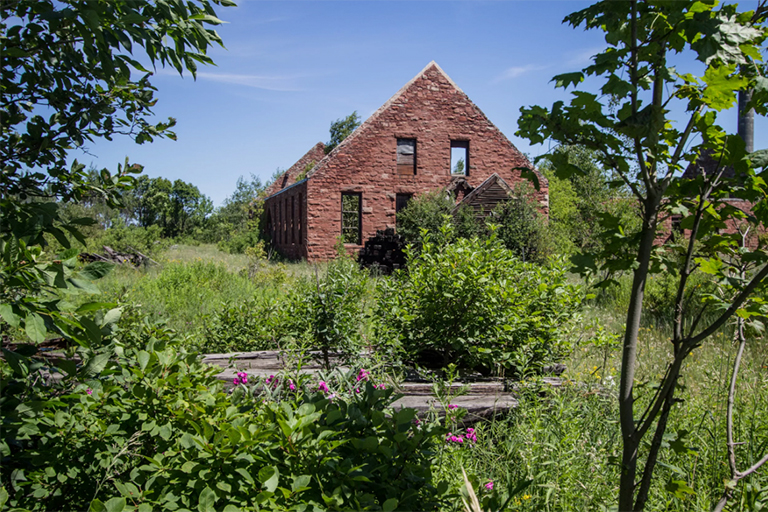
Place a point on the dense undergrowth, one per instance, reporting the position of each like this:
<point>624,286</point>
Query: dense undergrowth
<point>142,424</point>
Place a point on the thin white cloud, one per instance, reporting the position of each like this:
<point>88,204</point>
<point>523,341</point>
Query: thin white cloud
<point>583,57</point>
<point>516,71</point>
<point>270,83</point>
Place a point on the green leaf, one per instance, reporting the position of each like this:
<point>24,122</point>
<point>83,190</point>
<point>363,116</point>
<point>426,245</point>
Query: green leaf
<point>269,477</point>
<point>96,270</point>
<point>566,79</point>
<point>97,506</point>
<point>18,363</point>
<point>91,330</point>
<point>34,325</point>
<point>207,18</point>
<point>94,306</point>
<point>6,311</point>
<point>85,286</point>
<point>112,317</point>
<point>207,500</point>
<point>143,358</point>
<point>390,505</point>
<point>3,497</point>
<point>300,483</point>
<point>96,364</point>
<point>115,505</point>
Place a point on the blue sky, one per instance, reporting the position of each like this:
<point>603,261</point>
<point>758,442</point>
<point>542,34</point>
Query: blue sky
<point>290,68</point>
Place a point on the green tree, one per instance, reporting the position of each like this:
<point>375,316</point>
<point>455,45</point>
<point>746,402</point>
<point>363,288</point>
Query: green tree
<point>634,137</point>
<point>341,129</point>
<point>521,227</point>
<point>70,77</point>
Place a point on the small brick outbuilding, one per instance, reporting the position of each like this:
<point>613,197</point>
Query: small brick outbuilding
<point>404,149</point>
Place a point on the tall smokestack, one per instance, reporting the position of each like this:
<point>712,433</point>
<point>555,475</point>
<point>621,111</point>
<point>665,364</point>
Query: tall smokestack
<point>746,121</point>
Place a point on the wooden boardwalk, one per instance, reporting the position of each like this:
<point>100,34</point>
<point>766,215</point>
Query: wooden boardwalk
<point>482,400</point>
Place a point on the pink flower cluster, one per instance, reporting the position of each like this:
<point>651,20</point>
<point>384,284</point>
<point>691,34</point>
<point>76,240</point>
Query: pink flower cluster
<point>89,391</point>
<point>291,385</point>
<point>489,485</point>
<point>379,386</point>
<point>271,380</point>
<point>470,437</point>
<point>452,407</point>
<point>323,387</point>
<point>242,378</point>
<point>363,375</point>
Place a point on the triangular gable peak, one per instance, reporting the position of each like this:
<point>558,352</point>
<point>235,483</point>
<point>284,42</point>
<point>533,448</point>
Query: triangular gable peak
<point>288,178</point>
<point>487,195</point>
<point>413,86</point>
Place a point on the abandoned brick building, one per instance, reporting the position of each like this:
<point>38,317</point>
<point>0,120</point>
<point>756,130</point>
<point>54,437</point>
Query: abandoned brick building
<point>404,149</point>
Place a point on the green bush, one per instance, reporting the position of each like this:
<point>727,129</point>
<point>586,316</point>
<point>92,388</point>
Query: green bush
<point>521,227</point>
<point>256,324</point>
<point>475,304</point>
<point>123,238</point>
<point>328,309</point>
<point>425,213</point>
<point>188,291</point>
<point>153,428</point>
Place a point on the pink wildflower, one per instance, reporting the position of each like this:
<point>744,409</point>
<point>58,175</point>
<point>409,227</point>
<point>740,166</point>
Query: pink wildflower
<point>380,386</point>
<point>489,485</point>
<point>362,375</point>
<point>357,390</point>
<point>453,406</point>
<point>323,387</point>
<point>89,391</point>
<point>291,385</point>
<point>243,377</point>
<point>236,381</point>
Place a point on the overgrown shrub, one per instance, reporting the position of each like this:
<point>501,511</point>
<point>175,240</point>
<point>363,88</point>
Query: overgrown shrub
<point>256,324</point>
<point>521,227</point>
<point>123,238</point>
<point>475,304</point>
<point>186,291</point>
<point>153,428</point>
<point>424,213</point>
<point>328,308</point>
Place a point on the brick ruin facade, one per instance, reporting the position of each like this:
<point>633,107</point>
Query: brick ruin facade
<point>402,150</point>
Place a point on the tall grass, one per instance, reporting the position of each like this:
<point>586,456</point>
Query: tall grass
<point>567,439</point>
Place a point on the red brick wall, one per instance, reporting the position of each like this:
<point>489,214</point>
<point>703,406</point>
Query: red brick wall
<point>312,156</point>
<point>287,220</point>
<point>432,111</point>
<point>666,231</point>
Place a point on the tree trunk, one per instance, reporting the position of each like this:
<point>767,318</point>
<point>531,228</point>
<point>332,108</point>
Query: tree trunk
<point>630,440</point>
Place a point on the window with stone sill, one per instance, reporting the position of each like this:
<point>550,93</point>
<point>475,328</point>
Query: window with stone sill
<point>460,157</point>
<point>351,217</point>
<point>406,157</point>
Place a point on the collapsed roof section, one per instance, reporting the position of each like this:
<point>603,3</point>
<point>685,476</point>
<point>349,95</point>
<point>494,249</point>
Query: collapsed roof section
<point>297,171</point>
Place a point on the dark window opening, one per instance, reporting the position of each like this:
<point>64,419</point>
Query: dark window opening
<point>279,221</point>
<point>401,201</point>
<point>460,157</point>
<point>301,212</point>
<point>406,157</point>
<point>351,217</point>
<point>293,219</point>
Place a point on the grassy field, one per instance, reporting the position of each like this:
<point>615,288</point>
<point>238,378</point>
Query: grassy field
<point>564,442</point>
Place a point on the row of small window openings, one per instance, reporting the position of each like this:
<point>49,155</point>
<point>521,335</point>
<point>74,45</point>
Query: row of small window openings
<point>352,215</point>
<point>289,220</point>
<point>406,157</point>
